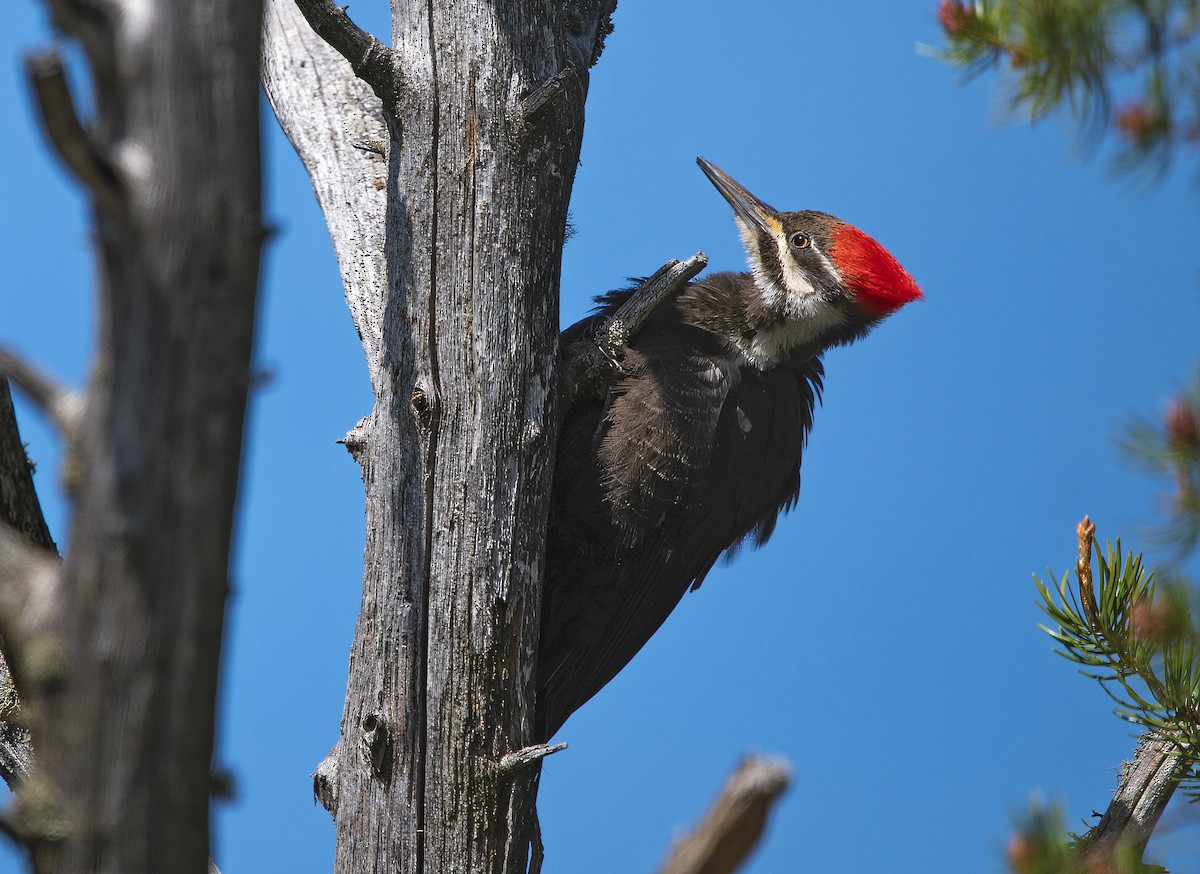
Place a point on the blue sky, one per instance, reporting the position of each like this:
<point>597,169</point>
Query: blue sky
<point>886,640</point>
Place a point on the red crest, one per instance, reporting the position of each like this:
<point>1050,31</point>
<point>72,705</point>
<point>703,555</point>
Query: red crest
<point>878,280</point>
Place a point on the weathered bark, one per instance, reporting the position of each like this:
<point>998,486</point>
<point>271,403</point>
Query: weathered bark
<point>337,127</point>
<point>483,110</point>
<point>21,511</point>
<point>19,505</point>
<point>125,731</point>
<point>734,824</point>
<point>1143,792</point>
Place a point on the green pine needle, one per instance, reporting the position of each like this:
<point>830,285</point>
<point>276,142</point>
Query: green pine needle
<point>1138,640</point>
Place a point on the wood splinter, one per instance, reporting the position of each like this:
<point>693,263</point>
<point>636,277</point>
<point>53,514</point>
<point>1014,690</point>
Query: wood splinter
<point>510,763</point>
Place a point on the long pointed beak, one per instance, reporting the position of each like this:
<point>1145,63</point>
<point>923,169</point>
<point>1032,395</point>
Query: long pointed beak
<point>745,205</point>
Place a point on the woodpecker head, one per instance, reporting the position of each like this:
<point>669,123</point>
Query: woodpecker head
<point>821,281</point>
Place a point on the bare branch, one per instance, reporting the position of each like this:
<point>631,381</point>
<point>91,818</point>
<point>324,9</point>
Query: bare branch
<point>67,134</point>
<point>1145,787</point>
<point>510,763</point>
<point>371,60</point>
<point>590,364</point>
<point>60,405</point>
<point>329,114</point>
<point>734,824</point>
<point>668,281</point>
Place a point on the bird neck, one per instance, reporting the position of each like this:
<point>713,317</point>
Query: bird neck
<point>758,327</point>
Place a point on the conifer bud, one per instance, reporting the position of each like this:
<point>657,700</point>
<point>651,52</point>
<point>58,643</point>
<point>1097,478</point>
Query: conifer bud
<point>954,16</point>
<point>1180,424</point>
<point>1138,121</point>
<point>1149,621</point>
<point>1020,853</point>
<point>1018,56</point>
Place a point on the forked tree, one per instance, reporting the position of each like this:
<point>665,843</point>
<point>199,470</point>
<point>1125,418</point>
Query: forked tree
<point>444,165</point>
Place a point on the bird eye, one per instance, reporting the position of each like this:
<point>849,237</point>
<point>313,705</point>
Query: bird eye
<point>799,241</point>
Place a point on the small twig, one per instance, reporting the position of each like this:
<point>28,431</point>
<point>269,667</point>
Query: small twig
<point>510,763</point>
<point>371,60</point>
<point>375,147</point>
<point>67,134</point>
<point>589,364</point>
<point>60,405</point>
<point>355,440</point>
<point>734,824</point>
<point>1145,787</point>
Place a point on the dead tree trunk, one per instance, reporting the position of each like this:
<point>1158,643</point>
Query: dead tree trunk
<point>118,662</point>
<point>452,279</point>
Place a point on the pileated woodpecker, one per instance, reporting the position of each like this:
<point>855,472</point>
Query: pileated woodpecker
<point>698,443</point>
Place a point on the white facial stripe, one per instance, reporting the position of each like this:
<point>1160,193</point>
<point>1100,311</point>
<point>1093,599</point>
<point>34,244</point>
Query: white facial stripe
<point>828,265</point>
<point>761,280</point>
<point>797,285</point>
<point>807,317</point>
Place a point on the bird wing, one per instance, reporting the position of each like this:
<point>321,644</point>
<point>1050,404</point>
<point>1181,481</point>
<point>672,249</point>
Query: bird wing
<point>753,474</point>
<point>695,456</point>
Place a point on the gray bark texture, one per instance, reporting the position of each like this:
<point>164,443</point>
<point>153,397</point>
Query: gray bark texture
<point>446,195</point>
<point>21,512</point>
<point>123,698</point>
<point>1143,792</point>
<point>19,505</point>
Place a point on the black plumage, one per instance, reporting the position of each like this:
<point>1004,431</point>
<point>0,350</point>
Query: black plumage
<point>697,444</point>
<point>688,455</point>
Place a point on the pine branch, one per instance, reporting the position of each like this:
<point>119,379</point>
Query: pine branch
<point>1143,792</point>
<point>1075,54</point>
<point>1135,638</point>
